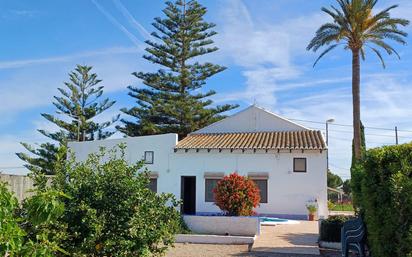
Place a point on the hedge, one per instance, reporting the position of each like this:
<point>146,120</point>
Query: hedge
<point>331,227</point>
<point>382,187</point>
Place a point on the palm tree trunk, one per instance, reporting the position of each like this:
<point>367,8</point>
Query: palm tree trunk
<point>356,103</point>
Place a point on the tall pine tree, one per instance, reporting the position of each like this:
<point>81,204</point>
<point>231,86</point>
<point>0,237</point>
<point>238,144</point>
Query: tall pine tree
<point>78,106</point>
<point>172,100</point>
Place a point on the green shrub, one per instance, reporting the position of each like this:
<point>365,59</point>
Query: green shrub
<point>331,227</point>
<point>101,207</point>
<point>38,214</point>
<point>331,205</point>
<point>11,235</point>
<point>236,195</point>
<point>382,190</point>
<point>112,212</point>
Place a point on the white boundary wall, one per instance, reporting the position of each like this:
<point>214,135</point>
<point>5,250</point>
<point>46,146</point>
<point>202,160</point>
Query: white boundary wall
<point>20,185</point>
<point>215,239</point>
<point>223,225</point>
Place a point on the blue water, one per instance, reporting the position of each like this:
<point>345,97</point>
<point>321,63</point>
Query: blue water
<point>269,219</point>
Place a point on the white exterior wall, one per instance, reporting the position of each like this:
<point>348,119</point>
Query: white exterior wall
<point>252,119</point>
<point>288,192</point>
<point>161,145</point>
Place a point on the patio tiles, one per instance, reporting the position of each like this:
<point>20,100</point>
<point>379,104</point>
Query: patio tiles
<point>299,238</point>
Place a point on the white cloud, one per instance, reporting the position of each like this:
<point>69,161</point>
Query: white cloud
<point>12,64</point>
<point>23,13</point>
<point>139,27</point>
<point>116,23</point>
<point>12,14</point>
<point>403,11</point>
<point>10,144</point>
<point>275,64</point>
<point>32,83</point>
<point>273,60</point>
<point>263,50</point>
<point>262,84</point>
<point>247,43</point>
<point>384,101</point>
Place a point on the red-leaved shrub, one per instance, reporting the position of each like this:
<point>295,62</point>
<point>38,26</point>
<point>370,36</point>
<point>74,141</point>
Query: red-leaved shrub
<point>236,195</point>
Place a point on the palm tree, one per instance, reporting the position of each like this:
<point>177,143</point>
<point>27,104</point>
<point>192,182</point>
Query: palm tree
<point>357,29</point>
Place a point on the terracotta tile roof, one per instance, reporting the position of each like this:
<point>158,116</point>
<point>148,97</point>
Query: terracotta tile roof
<point>301,140</point>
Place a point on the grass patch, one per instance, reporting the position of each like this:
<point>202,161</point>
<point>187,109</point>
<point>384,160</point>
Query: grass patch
<point>343,207</point>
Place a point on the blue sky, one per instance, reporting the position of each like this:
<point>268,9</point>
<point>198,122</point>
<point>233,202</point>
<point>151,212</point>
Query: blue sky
<point>261,42</point>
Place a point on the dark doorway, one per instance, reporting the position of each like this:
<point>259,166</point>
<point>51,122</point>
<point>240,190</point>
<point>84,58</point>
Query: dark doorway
<point>188,194</point>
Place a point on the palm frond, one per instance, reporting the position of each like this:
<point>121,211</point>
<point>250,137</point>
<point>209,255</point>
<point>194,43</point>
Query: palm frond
<point>340,18</point>
<point>355,26</point>
<point>330,48</point>
<point>362,52</point>
<point>395,37</point>
<point>389,24</point>
<point>385,31</point>
<point>376,51</point>
<point>384,13</point>
<point>328,26</point>
<point>389,49</point>
<point>327,11</point>
<point>344,4</point>
<point>321,40</point>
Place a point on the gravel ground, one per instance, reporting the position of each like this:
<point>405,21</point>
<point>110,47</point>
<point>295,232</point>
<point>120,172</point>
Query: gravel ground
<point>208,250</point>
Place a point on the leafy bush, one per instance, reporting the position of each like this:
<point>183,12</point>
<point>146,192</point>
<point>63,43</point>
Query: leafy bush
<point>331,205</point>
<point>236,195</point>
<point>101,207</point>
<point>11,235</point>
<point>333,180</point>
<point>331,227</point>
<point>112,212</point>
<point>16,225</point>
<point>382,190</point>
<point>346,187</point>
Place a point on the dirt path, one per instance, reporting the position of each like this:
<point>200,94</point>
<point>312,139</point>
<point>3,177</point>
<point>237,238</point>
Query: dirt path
<point>299,238</point>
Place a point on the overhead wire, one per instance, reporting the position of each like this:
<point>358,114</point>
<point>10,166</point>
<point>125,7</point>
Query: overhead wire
<point>350,132</point>
<point>348,125</point>
<point>332,130</point>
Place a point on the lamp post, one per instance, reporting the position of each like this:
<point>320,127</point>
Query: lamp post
<point>327,141</point>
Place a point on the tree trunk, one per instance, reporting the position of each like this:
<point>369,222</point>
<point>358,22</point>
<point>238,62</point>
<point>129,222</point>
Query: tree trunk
<point>356,103</point>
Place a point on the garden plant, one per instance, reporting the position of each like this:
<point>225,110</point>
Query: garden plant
<point>100,207</point>
<point>382,189</point>
<point>26,230</point>
<point>237,195</point>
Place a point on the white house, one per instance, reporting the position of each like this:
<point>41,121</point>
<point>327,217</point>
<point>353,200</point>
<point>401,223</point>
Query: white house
<point>286,160</point>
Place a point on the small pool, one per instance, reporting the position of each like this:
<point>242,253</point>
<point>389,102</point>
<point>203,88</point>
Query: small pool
<point>270,221</point>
